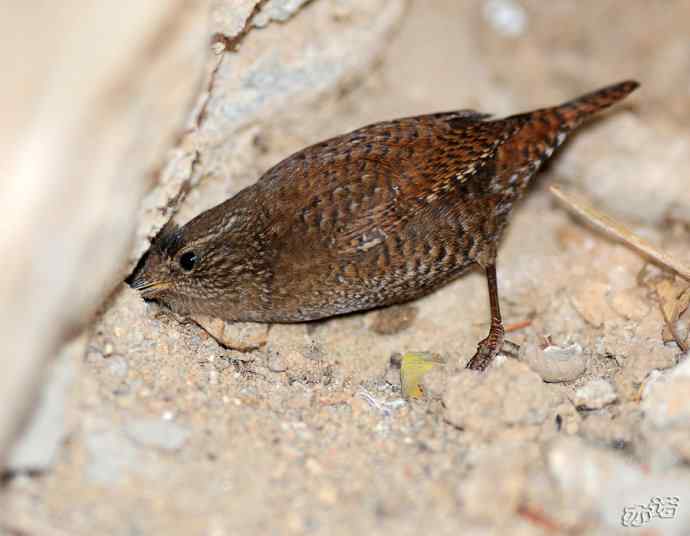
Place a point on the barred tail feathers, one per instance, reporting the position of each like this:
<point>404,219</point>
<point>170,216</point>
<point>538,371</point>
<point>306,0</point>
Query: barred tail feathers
<point>574,112</point>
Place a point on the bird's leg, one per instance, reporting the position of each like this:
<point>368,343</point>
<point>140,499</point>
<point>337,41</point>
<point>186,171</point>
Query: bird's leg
<point>489,347</point>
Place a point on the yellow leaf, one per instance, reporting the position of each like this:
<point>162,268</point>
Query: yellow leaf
<point>413,366</point>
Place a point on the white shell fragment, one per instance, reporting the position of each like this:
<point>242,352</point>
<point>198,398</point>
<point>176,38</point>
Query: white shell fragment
<point>556,363</point>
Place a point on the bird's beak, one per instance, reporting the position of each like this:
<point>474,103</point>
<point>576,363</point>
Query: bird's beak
<point>149,288</point>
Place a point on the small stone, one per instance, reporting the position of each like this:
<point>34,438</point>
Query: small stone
<point>667,399</point>
<point>213,376</point>
<point>276,362</point>
<point>153,432</point>
<point>392,376</point>
<point>595,394</point>
<point>241,336</point>
<point>631,303</point>
<point>590,302</point>
<point>637,367</point>
<point>111,456</point>
<point>674,298</point>
<point>556,363</point>
<point>117,366</point>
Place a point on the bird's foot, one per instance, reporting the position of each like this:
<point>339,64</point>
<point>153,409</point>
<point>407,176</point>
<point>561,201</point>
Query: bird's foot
<point>487,349</point>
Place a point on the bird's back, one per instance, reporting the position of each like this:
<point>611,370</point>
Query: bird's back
<point>391,211</point>
<point>380,215</point>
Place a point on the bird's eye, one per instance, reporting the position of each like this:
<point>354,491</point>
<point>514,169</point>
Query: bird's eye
<point>188,260</point>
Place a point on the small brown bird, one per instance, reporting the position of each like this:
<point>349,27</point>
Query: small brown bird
<point>382,215</point>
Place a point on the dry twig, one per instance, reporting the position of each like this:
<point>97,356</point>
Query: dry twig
<point>583,208</point>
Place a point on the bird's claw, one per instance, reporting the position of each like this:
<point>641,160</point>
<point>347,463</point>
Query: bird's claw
<point>487,349</point>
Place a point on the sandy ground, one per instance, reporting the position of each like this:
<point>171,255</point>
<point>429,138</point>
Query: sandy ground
<point>309,434</point>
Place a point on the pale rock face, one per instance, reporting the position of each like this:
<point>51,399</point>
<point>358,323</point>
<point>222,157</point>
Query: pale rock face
<point>84,128</point>
<point>95,122</point>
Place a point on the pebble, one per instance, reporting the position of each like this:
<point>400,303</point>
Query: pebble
<point>590,302</point>
<point>117,366</point>
<point>636,368</point>
<point>595,394</point>
<point>213,376</point>
<point>392,376</point>
<point>556,363</point>
<point>666,399</point>
<point>111,456</point>
<point>241,336</point>
<point>154,432</point>
<point>631,303</point>
<point>276,362</point>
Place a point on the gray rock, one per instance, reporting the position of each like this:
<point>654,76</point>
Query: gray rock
<point>111,456</point>
<point>152,432</point>
<point>595,394</point>
<point>556,363</point>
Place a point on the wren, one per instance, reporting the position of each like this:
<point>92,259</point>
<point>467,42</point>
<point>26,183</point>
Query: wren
<point>379,216</point>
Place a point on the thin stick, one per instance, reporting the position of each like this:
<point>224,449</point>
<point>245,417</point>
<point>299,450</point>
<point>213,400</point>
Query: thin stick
<point>582,207</point>
<point>509,328</point>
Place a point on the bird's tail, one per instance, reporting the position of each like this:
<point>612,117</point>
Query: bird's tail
<point>574,112</point>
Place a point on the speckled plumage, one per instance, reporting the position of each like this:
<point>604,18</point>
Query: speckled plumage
<point>382,215</point>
